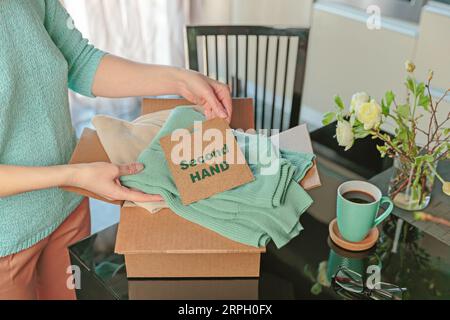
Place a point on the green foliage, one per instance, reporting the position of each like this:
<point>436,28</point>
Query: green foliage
<point>446,131</point>
<point>403,111</point>
<point>386,102</point>
<point>316,289</point>
<point>401,135</point>
<point>405,116</point>
<point>359,131</point>
<point>424,102</point>
<point>340,116</point>
<point>339,103</point>
<point>390,96</point>
<point>410,84</point>
<point>383,150</point>
<point>419,89</point>
<point>440,149</point>
<point>328,118</point>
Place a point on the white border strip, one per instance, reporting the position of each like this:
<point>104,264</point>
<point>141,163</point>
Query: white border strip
<point>409,29</point>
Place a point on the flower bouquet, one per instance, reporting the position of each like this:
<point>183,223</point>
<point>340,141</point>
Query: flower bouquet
<point>414,164</point>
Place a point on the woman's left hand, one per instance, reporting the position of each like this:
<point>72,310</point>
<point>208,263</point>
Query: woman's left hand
<point>212,95</point>
<point>117,78</point>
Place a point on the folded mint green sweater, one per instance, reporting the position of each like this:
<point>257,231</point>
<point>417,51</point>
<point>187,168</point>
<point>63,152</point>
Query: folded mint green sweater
<point>41,55</point>
<point>267,208</point>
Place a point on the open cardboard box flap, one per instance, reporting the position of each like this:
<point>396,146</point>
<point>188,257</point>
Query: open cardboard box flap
<point>166,245</point>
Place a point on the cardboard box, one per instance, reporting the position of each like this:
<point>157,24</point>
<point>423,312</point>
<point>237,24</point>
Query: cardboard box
<point>165,245</point>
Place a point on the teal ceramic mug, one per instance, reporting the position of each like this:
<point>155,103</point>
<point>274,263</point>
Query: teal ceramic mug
<point>356,219</point>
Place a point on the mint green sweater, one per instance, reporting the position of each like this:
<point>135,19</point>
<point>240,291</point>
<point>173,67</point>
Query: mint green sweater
<point>41,55</point>
<point>265,209</point>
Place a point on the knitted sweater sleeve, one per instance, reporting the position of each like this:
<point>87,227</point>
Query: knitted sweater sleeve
<point>82,58</point>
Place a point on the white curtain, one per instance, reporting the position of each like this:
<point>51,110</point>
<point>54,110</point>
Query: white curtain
<point>150,31</point>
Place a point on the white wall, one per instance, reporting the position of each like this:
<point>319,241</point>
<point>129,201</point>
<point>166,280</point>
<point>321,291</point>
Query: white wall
<point>252,12</point>
<point>433,45</point>
<point>344,56</point>
<point>433,52</point>
<point>207,12</point>
<point>270,12</point>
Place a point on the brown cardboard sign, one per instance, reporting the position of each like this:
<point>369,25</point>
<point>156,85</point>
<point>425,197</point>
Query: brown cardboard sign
<point>205,160</point>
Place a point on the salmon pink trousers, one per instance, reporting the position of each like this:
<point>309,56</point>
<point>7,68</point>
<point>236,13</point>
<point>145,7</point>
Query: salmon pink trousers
<point>43,270</point>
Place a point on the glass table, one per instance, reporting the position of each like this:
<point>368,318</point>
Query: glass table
<point>403,256</point>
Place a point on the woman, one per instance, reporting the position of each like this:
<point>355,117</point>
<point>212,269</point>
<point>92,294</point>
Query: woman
<point>41,55</point>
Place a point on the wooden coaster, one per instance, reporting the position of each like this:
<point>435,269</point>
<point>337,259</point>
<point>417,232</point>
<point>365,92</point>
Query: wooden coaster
<point>365,244</point>
<point>349,254</point>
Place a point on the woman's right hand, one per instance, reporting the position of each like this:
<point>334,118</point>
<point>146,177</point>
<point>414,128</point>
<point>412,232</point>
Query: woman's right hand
<point>102,178</point>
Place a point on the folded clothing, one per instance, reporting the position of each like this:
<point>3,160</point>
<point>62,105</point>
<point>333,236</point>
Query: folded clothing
<point>267,208</point>
<point>123,141</point>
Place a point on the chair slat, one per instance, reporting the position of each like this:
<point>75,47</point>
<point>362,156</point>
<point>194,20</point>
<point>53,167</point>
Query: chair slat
<point>206,56</point>
<point>237,65</point>
<point>226,59</point>
<point>246,64</point>
<point>298,82</point>
<point>274,92</point>
<point>216,57</point>
<point>256,81</point>
<point>265,84</point>
<point>285,80</point>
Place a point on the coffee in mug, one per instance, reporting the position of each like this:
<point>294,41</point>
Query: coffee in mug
<point>358,204</point>
<point>358,196</point>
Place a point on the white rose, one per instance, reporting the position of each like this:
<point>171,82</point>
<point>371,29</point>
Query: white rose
<point>344,134</point>
<point>358,99</point>
<point>369,114</point>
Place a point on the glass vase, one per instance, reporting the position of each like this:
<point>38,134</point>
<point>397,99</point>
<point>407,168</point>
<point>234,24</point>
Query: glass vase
<point>411,184</point>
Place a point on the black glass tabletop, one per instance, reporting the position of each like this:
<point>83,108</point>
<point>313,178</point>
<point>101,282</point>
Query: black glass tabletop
<point>405,263</point>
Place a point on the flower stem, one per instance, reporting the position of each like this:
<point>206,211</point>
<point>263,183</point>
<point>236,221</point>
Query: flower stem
<point>435,173</point>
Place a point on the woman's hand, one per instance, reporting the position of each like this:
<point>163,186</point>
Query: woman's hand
<point>212,95</point>
<point>117,77</point>
<point>102,178</point>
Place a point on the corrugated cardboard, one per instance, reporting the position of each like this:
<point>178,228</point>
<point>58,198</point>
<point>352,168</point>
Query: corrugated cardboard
<point>165,245</point>
<point>242,117</point>
<point>193,289</point>
<point>202,177</point>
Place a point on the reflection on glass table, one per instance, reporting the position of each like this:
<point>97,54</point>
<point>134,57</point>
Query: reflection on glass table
<point>404,257</point>
<point>351,284</point>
